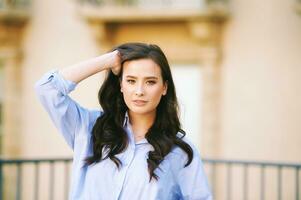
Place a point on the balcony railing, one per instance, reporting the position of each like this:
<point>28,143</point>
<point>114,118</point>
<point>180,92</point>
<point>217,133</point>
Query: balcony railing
<point>154,3</point>
<point>238,179</point>
<point>14,10</point>
<point>14,4</point>
<point>152,10</point>
<point>13,173</point>
<point>229,179</point>
<point>298,6</point>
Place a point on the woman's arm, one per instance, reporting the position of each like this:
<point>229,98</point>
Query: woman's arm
<point>84,69</point>
<point>70,118</point>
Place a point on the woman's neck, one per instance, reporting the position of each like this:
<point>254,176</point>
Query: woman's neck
<point>141,123</point>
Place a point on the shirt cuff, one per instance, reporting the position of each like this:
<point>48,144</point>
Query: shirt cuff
<point>54,78</point>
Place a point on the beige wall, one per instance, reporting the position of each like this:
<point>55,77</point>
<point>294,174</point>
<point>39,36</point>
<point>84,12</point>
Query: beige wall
<point>56,37</point>
<point>261,85</point>
<point>260,88</point>
<point>261,93</point>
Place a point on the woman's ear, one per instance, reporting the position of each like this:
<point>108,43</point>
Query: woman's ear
<point>165,88</point>
<point>120,83</point>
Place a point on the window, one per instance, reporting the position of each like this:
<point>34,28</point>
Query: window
<point>188,82</point>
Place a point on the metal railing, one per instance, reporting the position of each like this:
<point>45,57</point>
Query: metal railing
<point>224,177</point>
<point>298,6</point>
<point>153,3</point>
<point>14,4</point>
<point>245,170</point>
<point>17,165</point>
<point>109,2</point>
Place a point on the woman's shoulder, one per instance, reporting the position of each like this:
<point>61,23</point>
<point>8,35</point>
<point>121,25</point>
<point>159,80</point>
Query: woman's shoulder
<point>93,115</point>
<point>177,151</point>
<point>185,139</point>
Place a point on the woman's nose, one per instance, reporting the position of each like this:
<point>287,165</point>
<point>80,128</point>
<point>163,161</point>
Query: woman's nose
<point>139,90</point>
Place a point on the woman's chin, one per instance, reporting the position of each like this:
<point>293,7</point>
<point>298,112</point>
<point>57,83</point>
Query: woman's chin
<point>140,110</point>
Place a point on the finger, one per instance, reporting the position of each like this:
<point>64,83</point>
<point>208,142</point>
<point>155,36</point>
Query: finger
<point>116,70</point>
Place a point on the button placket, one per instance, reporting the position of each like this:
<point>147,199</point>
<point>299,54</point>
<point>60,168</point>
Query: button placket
<point>128,158</point>
<point>121,174</point>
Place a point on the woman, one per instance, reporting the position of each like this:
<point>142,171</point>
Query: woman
<point>134,148</point>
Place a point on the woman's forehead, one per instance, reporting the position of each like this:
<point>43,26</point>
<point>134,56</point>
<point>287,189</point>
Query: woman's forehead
<point>141,68</point>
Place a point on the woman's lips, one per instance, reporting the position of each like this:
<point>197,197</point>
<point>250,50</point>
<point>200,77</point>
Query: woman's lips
<point>139,102</point>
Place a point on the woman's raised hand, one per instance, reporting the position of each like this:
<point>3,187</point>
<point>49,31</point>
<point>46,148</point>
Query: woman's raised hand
<point>84,69</point>
<point>114,61</point>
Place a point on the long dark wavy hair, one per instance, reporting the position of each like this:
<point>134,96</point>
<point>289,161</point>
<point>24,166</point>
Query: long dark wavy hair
<point>108,134</point>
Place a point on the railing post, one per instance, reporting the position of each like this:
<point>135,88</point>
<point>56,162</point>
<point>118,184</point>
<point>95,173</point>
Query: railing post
<point>1,179</point>
<point>297,183</point>
<point>245,181</point>
<point>262,182</point>
<point>279,182</point>
<point>19,181</point>
<point>229,181</point>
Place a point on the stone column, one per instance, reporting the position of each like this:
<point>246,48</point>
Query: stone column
<point>11,135</point>
<point>104,34</point>
<point>11,138</point>
<point>207,34</point>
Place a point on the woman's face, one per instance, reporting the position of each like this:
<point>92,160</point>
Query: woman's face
<point>142,85</point>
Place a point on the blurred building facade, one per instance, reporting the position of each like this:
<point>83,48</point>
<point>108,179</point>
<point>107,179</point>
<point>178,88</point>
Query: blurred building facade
<point>236,66</point>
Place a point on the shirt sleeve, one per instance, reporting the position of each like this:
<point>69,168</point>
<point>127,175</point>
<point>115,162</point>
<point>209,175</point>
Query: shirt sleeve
<point>192,179</point>
<point>67,115</point>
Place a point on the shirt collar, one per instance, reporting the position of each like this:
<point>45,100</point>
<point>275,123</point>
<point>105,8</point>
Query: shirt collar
<point>126,123</point>
<point>142,141</point>
<point>126,118</point>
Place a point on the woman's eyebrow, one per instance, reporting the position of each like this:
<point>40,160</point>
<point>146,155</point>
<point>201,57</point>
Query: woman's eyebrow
<point>147,77</point>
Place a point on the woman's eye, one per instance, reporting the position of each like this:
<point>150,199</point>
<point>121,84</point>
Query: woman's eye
<point>151,82</point>
<point>130,81</point>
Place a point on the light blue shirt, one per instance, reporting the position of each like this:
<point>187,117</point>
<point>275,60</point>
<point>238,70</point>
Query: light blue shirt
<point>104,181</point>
